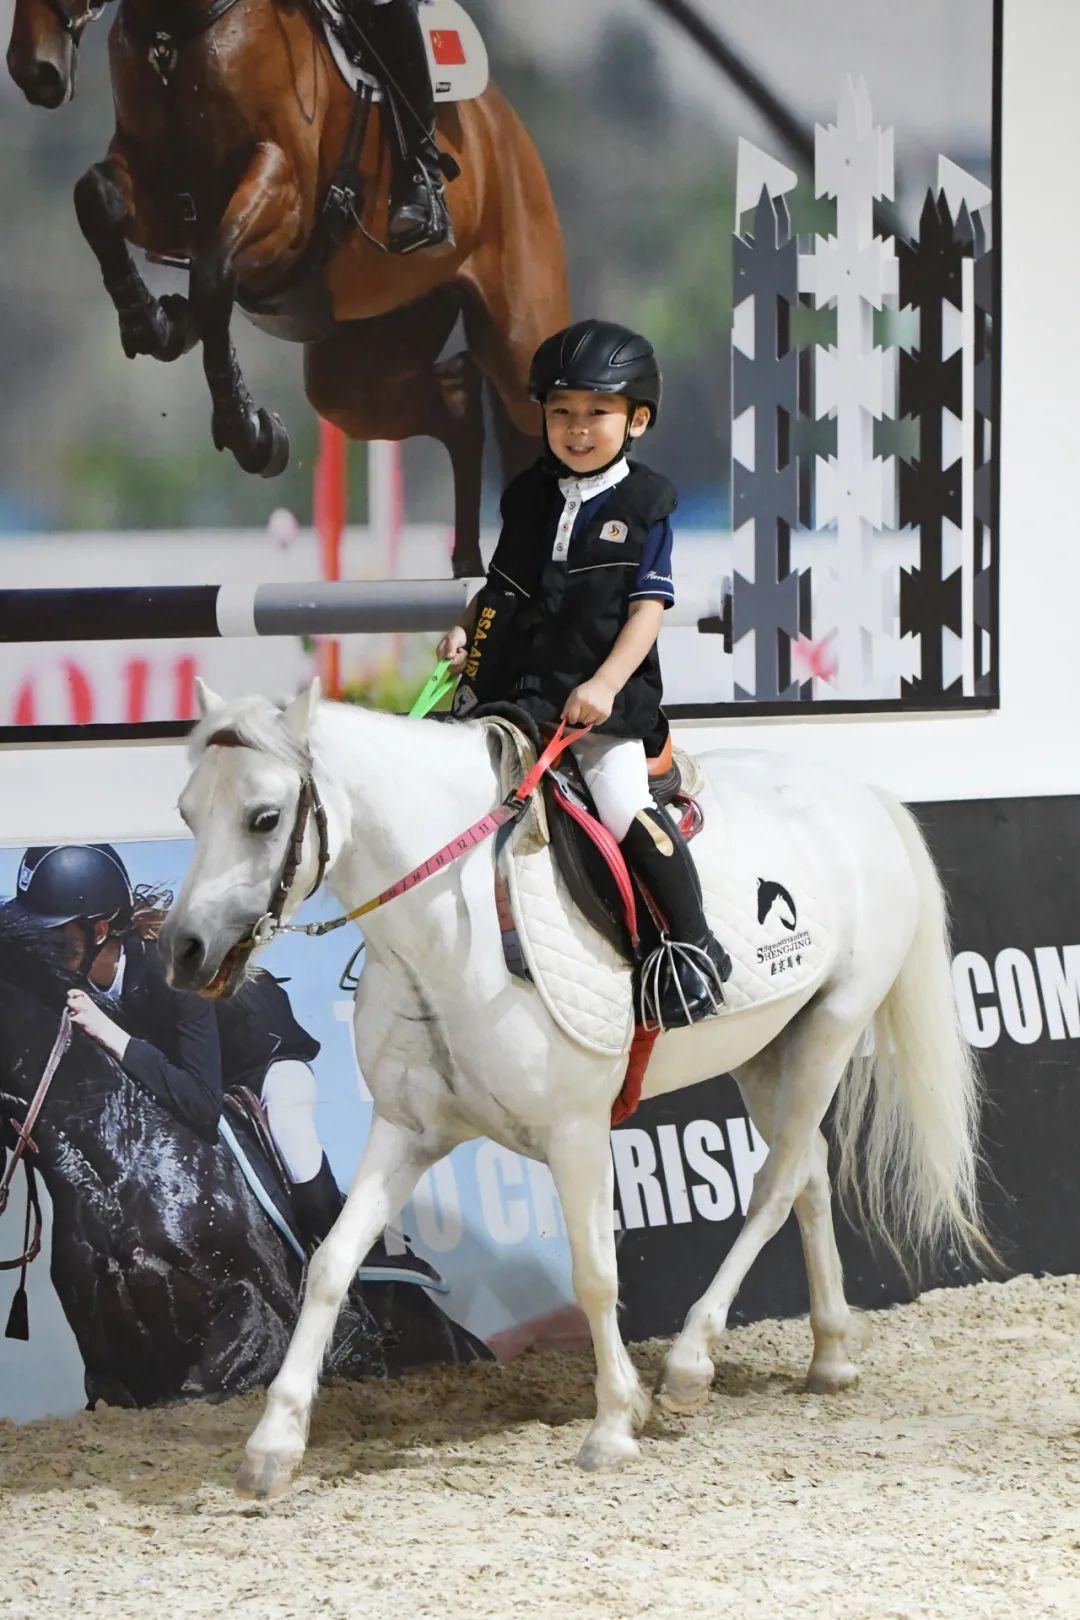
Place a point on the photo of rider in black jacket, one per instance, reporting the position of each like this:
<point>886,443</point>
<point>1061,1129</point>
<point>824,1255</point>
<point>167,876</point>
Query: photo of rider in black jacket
<point>185,1051</point>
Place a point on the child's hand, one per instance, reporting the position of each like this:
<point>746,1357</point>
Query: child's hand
<point>453,647</point>
<point>590,703</point>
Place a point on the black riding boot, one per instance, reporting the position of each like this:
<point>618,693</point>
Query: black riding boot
<point>317,1204</point>
<point>682,980</point>
<point>418,214</point>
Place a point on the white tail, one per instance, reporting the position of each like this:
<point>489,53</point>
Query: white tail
<point>907,1119</point>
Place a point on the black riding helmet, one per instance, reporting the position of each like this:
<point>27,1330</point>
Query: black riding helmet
<point>64,883</point>
<point>601,357</point>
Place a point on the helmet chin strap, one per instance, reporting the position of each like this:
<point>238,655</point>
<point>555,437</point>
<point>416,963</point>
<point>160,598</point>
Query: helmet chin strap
<point>90,950</point>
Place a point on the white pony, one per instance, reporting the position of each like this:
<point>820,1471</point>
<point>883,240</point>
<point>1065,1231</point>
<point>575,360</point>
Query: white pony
<point>454,1047</point>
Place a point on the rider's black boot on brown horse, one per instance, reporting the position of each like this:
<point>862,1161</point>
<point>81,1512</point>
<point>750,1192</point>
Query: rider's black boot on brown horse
<point>418,213</point>
<point>683,980</point>
<point>317,1204</point>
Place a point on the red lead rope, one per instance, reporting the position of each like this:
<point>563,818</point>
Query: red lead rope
<point>511,809</point>
<point>513,806</point>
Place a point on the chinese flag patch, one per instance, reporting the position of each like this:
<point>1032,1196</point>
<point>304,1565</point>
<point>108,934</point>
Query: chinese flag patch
<point>446,47</point>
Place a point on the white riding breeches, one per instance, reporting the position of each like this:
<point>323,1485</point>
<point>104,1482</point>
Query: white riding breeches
<point>617,776</point>
<point>289,1096</point>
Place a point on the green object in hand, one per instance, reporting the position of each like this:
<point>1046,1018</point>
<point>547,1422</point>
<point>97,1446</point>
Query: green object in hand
<point>437,685</point>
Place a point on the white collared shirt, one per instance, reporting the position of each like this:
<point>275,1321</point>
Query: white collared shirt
<point>575,492</point>
<point>114,990</point>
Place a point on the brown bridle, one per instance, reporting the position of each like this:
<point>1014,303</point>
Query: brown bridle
<point>18,1326</point>
<point>308,804</point>
<point>73,23</point>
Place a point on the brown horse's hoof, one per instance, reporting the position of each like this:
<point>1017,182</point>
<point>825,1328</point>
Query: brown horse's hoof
<point>274,441</point>
<point>181,332</point>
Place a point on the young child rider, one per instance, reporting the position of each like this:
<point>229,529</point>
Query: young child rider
<point>585,551</point>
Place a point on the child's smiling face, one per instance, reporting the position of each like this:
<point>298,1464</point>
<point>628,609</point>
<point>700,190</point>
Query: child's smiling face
<point>586,430</point>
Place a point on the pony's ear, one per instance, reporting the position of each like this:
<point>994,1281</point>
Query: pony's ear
<point>206,698</point>
<point>301,711</point>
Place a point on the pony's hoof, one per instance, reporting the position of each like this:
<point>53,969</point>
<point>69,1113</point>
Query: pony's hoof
<point>265,1475</point>
<point>273,444</point>
<point>684,1389</point>
<point>831,1378</point>
<point>607,1451</point>
<point>679,1399</point>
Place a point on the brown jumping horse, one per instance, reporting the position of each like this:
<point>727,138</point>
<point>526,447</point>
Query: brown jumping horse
<point>231,119</point>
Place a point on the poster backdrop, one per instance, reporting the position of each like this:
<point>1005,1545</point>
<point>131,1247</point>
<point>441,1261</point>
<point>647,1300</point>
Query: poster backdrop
<point>797,204</point>
<point>490,1223</point>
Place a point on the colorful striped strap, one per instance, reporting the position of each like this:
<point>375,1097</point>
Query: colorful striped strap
<point>512,808</point>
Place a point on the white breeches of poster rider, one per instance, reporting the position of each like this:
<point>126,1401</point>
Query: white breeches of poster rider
<point>617,776</point>
<point>289,1096</point>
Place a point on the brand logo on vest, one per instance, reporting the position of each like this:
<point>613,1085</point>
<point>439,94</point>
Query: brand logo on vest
<point>613,530</point>
<point>483,630</point>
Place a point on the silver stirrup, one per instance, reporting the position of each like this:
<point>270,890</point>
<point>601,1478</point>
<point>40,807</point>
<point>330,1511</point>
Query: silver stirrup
<point>660,966</point>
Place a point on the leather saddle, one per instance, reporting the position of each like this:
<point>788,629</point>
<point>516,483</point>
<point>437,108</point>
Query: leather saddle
<point>247,1116</point>
<point>584,870</point>
<point>250,1124</point>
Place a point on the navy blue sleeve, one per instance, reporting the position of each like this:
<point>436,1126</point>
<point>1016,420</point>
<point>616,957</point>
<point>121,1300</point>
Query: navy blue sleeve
<point>654,582</point>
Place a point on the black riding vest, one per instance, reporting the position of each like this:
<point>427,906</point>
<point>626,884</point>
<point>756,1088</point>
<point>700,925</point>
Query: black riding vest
<point>571,613</point>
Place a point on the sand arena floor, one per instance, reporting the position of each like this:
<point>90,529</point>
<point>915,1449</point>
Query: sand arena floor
<point>947,1484</point>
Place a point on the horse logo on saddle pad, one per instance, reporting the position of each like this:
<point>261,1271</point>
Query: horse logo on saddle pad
<point>768,893</point>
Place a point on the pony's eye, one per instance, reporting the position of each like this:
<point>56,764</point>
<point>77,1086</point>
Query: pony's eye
<point>264,821</point>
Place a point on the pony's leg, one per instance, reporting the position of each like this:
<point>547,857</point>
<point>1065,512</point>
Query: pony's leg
<point>259,229</point>
<point>813,1053</point>
<point>580,1162</point>
<point>831,1321</point>
<point>392,1163</point>
<point>382,379</point>
<point>105,209</point>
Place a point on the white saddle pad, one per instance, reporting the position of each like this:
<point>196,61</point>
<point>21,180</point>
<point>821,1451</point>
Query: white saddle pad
<point>457,55</point>
<point>761,886</point>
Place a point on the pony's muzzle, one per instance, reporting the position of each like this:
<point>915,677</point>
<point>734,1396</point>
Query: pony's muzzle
<point>185,959</point>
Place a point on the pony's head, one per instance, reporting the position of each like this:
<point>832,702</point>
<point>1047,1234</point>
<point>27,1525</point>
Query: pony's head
<point>251,759</point>
<point>43,52</point>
